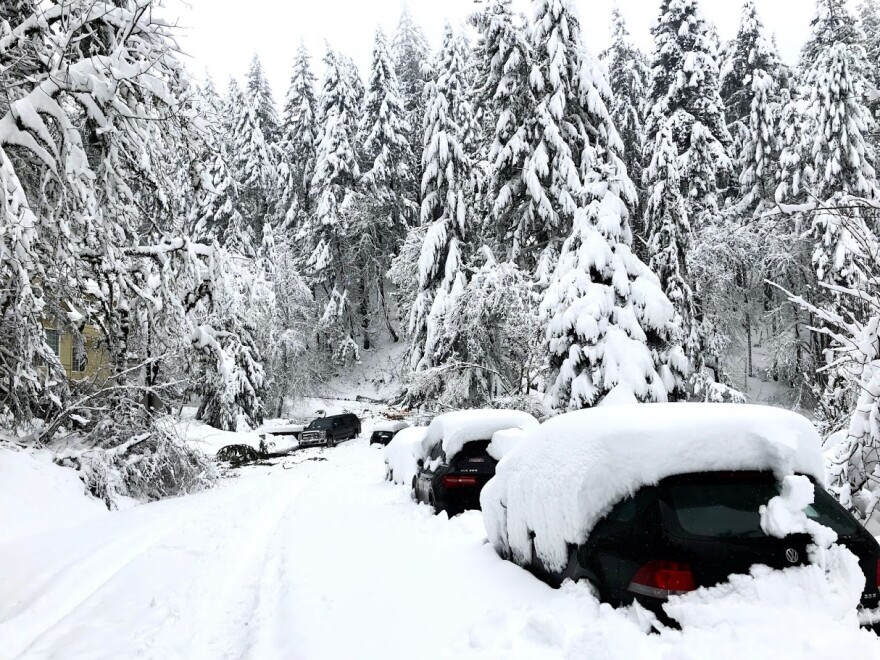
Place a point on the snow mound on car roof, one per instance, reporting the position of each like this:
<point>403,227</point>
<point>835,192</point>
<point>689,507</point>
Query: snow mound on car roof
<point>389,425</point>
<point>552,489</point>
<point>455,429</point>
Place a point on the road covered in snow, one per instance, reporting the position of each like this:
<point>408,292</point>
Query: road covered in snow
<point>318,557</point>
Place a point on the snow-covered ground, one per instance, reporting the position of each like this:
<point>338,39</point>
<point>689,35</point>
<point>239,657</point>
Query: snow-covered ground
<point>317,557</point>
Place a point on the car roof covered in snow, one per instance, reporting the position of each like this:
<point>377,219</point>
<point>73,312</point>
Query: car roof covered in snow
<point>455,429</point>
<point>390,425</point>
<point>573,469</point>
<point>282,428</point>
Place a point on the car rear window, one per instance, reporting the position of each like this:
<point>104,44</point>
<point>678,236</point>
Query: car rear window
<point>474,450</point>
<point>727,505</point>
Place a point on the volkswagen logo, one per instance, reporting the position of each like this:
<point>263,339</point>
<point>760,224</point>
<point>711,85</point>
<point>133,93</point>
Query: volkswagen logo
<point>792,555</point>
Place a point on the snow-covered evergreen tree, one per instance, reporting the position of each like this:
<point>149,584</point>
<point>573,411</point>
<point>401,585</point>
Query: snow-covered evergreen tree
<point>411,54</point>
<point>609,323</point>
<point>841,161</point>
<point>685,93</point>
<point>336,175</point>
<point>503,91</point>
<point>260,92</point>
<point>446,198</point>
<point>629,75</point>
<point>253,166</point>
<point>300,132</point>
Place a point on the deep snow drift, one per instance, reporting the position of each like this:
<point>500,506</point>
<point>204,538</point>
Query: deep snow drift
<point>316,557</point>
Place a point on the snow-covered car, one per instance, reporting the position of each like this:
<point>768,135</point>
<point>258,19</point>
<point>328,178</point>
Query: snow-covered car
<point>403,453</point>
<point>280,438</point>
<point>455,462</point>
<point>384,431</point>
<point>645,502</point>
<point>330,431</point>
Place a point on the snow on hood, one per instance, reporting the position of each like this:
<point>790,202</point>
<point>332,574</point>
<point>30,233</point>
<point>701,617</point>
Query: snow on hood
<point>455,429</point>
<point>576,467</point>
<point>390,425</point>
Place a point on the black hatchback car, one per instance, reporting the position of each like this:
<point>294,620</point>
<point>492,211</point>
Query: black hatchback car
<point>696,530</point>
<point>454,486</point>
<point>330,431</point>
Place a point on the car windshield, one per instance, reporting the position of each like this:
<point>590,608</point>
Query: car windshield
<point>322,423</point>
<point>727,505</point>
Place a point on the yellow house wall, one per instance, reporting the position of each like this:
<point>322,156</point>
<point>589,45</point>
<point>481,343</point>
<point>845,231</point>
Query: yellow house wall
<point>97,359</point>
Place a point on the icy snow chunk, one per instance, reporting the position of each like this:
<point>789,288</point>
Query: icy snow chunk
<point>576,467</point>
<point>403,453</point>
<point>455,429</point>
<point>784,514</point>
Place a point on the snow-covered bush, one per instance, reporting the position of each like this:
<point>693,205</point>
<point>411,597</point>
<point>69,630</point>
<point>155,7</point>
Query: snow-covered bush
<point>138,457</point>
<point>557,485</point>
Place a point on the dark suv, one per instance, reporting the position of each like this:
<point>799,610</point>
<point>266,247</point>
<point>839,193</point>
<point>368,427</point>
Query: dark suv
<point>454,486</point>
<point>331,430</point>
<point>695,530</point>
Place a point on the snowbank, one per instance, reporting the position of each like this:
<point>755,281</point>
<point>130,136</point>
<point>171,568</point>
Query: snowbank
<point>402,453</point>
<point>389,425</point>
<point>37,496</point>
<point>455,429</point>
<point>577,466</point>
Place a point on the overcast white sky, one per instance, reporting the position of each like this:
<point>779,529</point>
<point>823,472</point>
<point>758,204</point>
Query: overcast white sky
<point>222,35</point>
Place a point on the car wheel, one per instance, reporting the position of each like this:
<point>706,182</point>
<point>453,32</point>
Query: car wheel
<point>331,442</point>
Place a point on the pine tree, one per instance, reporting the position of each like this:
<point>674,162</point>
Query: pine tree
<point>300,135</point>
<point>750,51</point>
<point>252,164</point>
<point>385,131</point>
<point>629,75</point>
<point>609,323</point>
<point>841,161</point>
<point>446,193</point>
<point>411,53</point>
<point>259,90</point>
<point>336,176</point>
<point>761,150</point>
<point>685,92</point>
<point>670,238</point>
<point>503,91</point>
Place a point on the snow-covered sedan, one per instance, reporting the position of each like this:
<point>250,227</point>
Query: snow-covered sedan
<point>647,502</point>
<point>403,453</point>
<point>455,460</point>
<point>384,431</point>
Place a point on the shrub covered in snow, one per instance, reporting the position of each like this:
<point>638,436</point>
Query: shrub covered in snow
<point>455,429</point>
<point>554,488</point>
<point>402,454</point>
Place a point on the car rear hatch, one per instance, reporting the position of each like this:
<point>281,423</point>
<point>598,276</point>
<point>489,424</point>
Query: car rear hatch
<point>714,527</point>
<point>470,470</point>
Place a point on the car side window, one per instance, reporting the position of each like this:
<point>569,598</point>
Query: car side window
<point>436,450</point>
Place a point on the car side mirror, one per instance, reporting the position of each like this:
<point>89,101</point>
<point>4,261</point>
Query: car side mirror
<point>420,463</point>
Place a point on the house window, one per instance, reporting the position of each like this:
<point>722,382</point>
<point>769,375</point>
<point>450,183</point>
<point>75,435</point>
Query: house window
<point>53,341</point>
<point>80,360</point>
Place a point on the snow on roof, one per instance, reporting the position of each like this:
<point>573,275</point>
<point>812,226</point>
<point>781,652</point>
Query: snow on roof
<point>390,425</point>
<point>455,429</point>
<point>282,428</point>
<point>576,467</point>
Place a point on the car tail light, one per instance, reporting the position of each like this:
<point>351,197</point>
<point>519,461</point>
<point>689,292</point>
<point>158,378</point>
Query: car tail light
<point>661,579</point>
<point>450,481</point>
